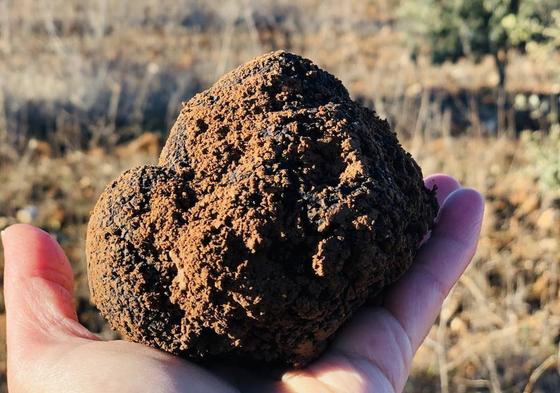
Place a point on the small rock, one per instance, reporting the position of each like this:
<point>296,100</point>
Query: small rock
<point>549,220</point>
<point>530,204</point>
<point>27,214</point>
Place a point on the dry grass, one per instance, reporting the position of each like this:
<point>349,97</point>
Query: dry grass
<point>502,319</point>
<point>105,71</point>
<point>80,70</point>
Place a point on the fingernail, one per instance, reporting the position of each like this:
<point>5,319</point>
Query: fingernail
<point>2,233</point>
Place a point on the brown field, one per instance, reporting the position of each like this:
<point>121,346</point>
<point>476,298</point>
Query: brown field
<point>88,88</point>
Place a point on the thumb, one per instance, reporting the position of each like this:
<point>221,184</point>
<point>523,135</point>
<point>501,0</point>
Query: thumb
<point>38,291</point>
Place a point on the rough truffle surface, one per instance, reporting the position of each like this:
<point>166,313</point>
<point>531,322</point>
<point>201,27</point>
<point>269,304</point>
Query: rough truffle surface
<point>279,206</point>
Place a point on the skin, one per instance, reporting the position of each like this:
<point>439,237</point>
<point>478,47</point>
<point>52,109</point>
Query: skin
<point>49,351</point>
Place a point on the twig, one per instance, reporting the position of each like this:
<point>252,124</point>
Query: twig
<point>549,362</point>
<point>227,36</point>
<point>441,355</point>
<point>4,140</point>
<point>5,24</point>
<point>252,26</point>
<point>494,379</point>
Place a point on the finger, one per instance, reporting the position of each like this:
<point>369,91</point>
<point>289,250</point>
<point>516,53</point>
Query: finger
<point>38,289</point>
<point>416,299</point>
<point>445,185</point>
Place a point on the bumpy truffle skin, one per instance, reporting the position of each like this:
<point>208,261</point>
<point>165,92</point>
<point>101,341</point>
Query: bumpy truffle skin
<point>278,208</point>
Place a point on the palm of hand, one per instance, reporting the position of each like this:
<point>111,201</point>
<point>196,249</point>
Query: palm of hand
<point>49,351</point>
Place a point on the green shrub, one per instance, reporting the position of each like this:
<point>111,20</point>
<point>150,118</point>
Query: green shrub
<point>451,29</point>
<point>543,152</point>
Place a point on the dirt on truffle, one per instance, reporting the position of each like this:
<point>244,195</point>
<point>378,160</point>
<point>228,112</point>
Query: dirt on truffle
<point>278,208</point>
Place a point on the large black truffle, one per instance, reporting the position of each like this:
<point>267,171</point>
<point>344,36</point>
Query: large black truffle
<point>278,208</point>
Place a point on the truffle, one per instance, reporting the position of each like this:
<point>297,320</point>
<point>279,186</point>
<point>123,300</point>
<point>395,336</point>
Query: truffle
<point>278,207</point>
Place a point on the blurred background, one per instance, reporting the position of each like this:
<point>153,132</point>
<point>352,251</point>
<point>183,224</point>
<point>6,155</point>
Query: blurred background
<point>89,88</point>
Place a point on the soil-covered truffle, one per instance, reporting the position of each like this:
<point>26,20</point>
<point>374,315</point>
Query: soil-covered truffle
<point>279,206</point>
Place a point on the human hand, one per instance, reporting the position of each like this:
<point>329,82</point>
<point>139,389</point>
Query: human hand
<point>50,351</point>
